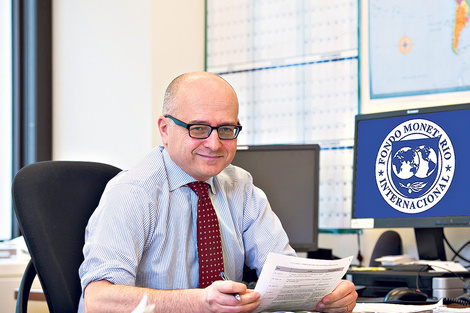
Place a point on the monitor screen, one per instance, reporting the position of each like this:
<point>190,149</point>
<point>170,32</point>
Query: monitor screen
<point>411,169</point>
<point>289,175</point>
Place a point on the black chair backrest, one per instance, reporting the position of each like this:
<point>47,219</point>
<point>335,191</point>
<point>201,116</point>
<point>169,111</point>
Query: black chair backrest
<point>53,201</point>
<point>389,243</point>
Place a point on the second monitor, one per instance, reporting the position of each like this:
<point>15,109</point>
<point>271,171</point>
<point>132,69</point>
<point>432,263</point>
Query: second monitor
<point>289,175</point>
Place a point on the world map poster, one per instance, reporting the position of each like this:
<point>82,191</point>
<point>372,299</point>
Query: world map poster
<point>418,47</point>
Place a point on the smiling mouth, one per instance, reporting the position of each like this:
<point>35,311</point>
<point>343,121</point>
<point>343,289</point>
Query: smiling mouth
<point>212,157</point>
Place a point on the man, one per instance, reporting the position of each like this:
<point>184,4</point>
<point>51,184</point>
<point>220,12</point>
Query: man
<point>142,238</point>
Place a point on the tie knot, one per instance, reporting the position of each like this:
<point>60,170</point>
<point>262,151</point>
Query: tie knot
<point>200,188</point>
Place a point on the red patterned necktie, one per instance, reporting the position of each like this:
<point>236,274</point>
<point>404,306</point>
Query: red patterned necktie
<point>209,245</point>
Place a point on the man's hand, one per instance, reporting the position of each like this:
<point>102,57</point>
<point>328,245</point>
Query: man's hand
<point>220,297</point>
<point>341,300</point>
<point>103,296</point>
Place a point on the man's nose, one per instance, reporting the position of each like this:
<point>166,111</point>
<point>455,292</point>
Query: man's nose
<point>213,141</point>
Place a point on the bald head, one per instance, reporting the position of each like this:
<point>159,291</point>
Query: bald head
<point>174,89</point>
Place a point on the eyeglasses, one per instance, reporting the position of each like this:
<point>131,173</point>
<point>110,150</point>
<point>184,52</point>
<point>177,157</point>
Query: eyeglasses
<point>201,131</point>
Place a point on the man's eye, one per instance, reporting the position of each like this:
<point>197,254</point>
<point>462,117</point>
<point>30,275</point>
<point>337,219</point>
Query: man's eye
<point>227,129</point>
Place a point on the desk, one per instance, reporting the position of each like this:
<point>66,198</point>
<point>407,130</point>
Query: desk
<point>11,273</point>
<point>434,284</point>
<point>397,308</point>
<point>34,295</point>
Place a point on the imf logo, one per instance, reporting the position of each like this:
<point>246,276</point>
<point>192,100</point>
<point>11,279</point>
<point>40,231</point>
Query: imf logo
<point>415,166</point>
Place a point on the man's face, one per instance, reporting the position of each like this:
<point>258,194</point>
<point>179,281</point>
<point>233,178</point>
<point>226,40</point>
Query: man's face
<point>207,101</point>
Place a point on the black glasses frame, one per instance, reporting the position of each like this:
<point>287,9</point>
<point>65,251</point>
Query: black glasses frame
<point>237,128</point>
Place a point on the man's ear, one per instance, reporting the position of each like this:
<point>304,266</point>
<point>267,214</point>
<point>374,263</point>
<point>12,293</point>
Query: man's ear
<point>163,128</point>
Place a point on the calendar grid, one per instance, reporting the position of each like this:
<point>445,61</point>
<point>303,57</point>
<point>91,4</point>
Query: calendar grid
<point>294,65</point>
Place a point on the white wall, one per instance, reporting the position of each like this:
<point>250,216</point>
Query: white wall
<point>112,62</point>
<point>6,135</point>
<point>178,46</point>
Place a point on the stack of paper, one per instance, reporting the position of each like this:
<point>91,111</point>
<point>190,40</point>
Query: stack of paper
<point>395,259</point>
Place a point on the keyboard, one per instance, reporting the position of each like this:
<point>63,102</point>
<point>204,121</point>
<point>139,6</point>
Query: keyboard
<point>409,267</point>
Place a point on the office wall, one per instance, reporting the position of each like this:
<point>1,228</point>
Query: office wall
<point>112,62</point>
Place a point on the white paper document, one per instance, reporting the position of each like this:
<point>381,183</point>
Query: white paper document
<point>396,308</point>
<point>444,266</point>
<point>395,259</point>
<point>289,283</point>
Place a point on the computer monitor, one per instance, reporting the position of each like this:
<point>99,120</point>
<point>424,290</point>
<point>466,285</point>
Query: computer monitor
<point>289,176</point>
<point>412,169</point>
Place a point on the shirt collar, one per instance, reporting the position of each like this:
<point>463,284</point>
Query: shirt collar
<point>177,177</point>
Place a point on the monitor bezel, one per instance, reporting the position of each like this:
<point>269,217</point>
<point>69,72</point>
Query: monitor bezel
<point>429,231</point>
<point>424,222</point>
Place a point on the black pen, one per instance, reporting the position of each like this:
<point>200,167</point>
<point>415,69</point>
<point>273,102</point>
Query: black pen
<point>236,295</point>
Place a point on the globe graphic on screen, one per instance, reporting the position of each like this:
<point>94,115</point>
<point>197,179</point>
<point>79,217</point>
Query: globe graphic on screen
<point>420,162</point>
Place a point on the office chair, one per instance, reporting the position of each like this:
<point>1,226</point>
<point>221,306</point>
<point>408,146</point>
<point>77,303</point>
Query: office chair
<point>53,201</point>
<point>389,243</point>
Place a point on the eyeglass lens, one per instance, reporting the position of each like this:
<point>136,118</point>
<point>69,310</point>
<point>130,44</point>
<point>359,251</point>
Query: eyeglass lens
<point>203,131</point>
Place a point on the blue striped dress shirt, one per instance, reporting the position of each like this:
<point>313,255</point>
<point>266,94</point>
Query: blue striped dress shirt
<point>143,232</point>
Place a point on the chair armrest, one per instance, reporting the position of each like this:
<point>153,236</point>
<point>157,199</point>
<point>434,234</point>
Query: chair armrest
<point>25,287</point>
